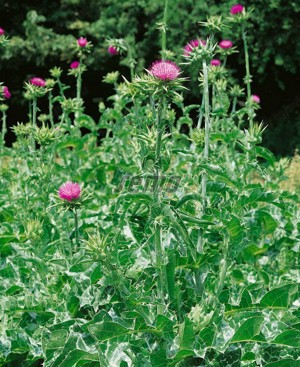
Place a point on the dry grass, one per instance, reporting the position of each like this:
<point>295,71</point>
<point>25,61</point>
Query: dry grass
<point>293,173</point>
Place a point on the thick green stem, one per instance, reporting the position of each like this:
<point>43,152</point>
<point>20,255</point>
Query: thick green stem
<point>4,128</point>
<point>160,131</point>
<point>50,97</point>
<point>247,63</point>
<point>200,118</point>
<point>164,31</point>
<point>60,86</point>
<point>159,267</point>
<point>76,229</point>
<point>248,77</point>
<point>157,226</point>
<point>205,102</point>
<point>131,61</point>
<point>79,80</point>
<point>234,105</point>
<point>34,109</point>
<point>207,131</point>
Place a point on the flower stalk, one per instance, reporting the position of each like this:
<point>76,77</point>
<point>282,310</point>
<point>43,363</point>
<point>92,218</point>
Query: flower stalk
<point>248,77</point>
<point>157,226</point>
<point>76,228</point>
<point>50,98</point>
<point>79,80</point>
<point>206,130</point>
<point>34,111</point>
<point>4,127</point>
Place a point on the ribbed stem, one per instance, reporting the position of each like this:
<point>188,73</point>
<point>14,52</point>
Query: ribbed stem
<point>50,97</point>
<point>79,80</point>
<point>157,227</point>
<point>247,63</point>
<point>207,130</point>
<point>200,118</point>
<point>76,229</point>
<point>131,61</point>
<point>4,128</point>
<point>34,109</point>
<point>60,86</point>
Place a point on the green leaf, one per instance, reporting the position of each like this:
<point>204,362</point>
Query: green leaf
<point>268,222</point>
<point>180,356</point>
<point>86,121</point>
<point>284,363</point>
<point>235,229</point>
<point>220,172</point>
<point>81,266</point>
<point>249,330</point>
<point>159,359</point>
<point>186,334</point>
<point>185,198</point>
<point>108,330</point>
<point>279,297</point>
<point>207,335</point>
<point>289,337</point>
<point>170,270</point>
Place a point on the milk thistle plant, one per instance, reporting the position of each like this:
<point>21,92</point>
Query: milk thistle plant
<point>179,247</point>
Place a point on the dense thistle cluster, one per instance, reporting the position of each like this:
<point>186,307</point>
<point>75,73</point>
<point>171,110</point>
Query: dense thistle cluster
<point>164,70</point>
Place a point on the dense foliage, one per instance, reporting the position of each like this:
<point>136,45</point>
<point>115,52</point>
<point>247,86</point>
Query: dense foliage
<point>175,245</point>
<point>42,32</point>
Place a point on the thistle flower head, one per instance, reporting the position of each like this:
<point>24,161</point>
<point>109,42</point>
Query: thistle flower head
<point>225,44</point>
<point>82,42</point>
<point>39,82</point>
<point>255,98</point>
<point>236,9</point>
<point>6,92</point>
<point>2,31</point>
<point>69,191</point>
<point>215,62</point>
<point>112,50</point>
<point>74,65</point>
<point>164,70</point>
<point>193,44</point>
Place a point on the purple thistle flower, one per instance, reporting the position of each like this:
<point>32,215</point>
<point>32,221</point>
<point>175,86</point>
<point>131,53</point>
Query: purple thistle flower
<point>255,98</point>
<point>2,31</point>
<point>215,62</point>
<point>164,70</point>
<point>225,44</point>
<point>74,65</point>
<point>112,50</point>
<point>39,82</point>
<point>6,92</point>
<point>236,9</point>
<point>193,44</point>
<point>82,42</point>
<point>69,191</point>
